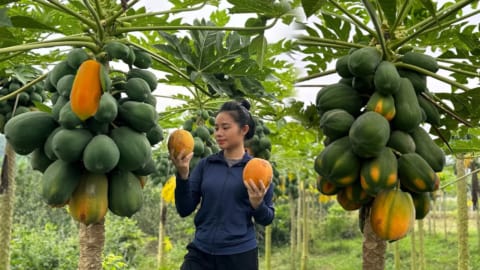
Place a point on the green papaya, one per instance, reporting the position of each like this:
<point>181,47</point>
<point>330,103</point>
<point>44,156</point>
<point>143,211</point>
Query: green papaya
<point>137,89</point>
<point>401,142</point>
<point>101,154</point>
<point>68,144</point>
<point>341,66</point>
<point>116,50</point>
<point>28,131</point>
<point>135,150</point>
<point>125,195</point>
<point>67,118</point>
<point>421,60</point>
<point>107,109</point>
<point>155,135</point>
<point>409,113</point>
<point>418,80</point>
<point>432,114</point>
<point>60,70</point>
<point>338,96</point>
<point>76,57</point>
<point>428,149</point>
<point>364,61</point>
<point>39,160</point>
<point>147,75</point>
<point>143,59</point>
<point>369,134</point>
<point>386,78</point>
<point>336,123</point>
<point>59,181</point>
<point>139,116</point>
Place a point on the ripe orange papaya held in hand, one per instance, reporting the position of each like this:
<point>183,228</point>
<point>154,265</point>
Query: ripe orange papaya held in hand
<point>179,140</point>
<point>258,169</point>
<point>86,89</point>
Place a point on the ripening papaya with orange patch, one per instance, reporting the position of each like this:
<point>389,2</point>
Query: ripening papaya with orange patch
<point>379,173</point>
<point>86,89</point>
<point>382,104</point>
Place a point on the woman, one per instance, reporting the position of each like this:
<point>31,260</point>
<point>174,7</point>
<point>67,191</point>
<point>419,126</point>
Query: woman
<point>225,233</point>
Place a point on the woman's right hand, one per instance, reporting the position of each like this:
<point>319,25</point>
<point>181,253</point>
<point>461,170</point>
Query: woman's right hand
<point>182,163</point>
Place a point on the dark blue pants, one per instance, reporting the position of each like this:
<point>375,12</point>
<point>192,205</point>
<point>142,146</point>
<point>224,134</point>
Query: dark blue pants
<point>196,259</point>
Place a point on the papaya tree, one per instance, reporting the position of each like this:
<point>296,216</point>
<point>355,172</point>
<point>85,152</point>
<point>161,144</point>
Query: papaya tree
<point>382,53</point>
<point>87,41</point>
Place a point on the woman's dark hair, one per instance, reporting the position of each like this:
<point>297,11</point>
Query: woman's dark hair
<point>239,110</point>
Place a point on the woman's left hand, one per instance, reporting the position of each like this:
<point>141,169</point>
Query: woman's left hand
<point>255,193</point>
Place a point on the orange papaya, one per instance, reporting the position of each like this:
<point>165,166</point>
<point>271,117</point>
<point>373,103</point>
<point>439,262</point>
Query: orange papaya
<point>86,90</point>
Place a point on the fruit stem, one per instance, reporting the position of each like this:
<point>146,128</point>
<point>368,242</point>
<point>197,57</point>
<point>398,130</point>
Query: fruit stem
<point>47,44</point>
<point>121,30</point>
<point>316,75</point>
<point>378,28</point>
<point>95,15</point>
<point>431,74</point>
<point>111,19</point>
<point>425,25</point>
<point>171,11</point>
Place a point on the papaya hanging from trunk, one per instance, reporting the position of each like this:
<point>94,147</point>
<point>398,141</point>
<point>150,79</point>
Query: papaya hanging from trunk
<point>86,89</point>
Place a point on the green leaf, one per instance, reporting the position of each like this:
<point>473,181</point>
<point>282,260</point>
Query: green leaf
<point>258,46</point>
<point>428,4</point>
<point>4,2</point>
<point>268,8</point>
<point>310,7</point>
<point>4,19</point>
<point>389,8</point>
<point>220,17</point>
<point>29,22</point>
<point>42,107</point>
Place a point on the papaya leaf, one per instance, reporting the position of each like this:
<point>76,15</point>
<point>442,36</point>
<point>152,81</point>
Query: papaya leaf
<point>310,7</point>
<point>268,8</point>
<point>4,19</point>
<point>29,22</point>
<point>428,4</point>
<point>258,46</point>
<point>389,8</point>
<point>4,2</point>
<point>42,107</point>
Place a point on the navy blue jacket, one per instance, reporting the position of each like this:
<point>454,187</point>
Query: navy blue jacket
<point>223,222</point>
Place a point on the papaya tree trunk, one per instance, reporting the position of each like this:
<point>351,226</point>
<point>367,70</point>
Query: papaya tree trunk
<point>293,231</point>
<point>161,232</point>
<point>373,247</point>
<point>7,197</point>
<point>421,247</point>
<point>268,247</point>
<point>92,239</point>
<point>462,217</point>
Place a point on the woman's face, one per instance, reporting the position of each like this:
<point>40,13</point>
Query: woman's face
<point>228,133</point>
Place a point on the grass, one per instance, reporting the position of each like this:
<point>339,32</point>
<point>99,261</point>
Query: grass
<point>346,254</point>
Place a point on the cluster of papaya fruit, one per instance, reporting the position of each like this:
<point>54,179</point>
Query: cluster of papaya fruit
<point>20,103</point>
<point>375,143</point>
<point>94,147</point>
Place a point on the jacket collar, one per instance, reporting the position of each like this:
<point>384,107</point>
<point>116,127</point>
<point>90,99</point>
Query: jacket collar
<point>219,157</point>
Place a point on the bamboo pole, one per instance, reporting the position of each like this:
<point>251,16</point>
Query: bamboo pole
<point>396,255</point>
<point>462,218</point>
<point>161,233</point>
<point>268,247</point>
<point>304,252</point>
<point>413,250</point>
<point>293,233</point>
<point>421,246</point>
